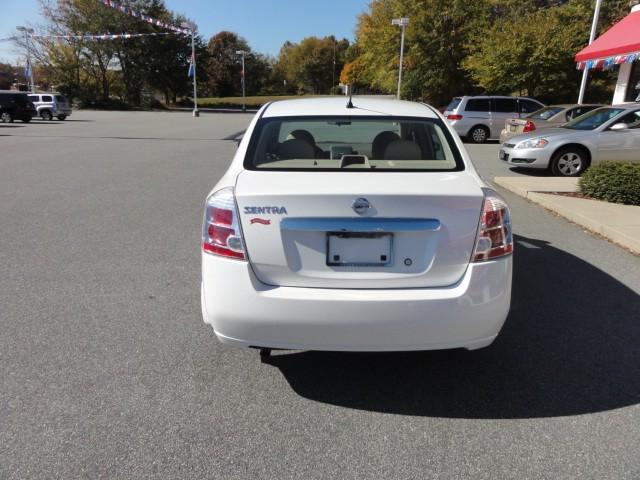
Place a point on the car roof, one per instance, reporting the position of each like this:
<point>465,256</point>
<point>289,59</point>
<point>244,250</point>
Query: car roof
<point>362,106</point>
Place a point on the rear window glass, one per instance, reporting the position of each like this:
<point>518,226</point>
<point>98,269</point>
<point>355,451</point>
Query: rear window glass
<point>478,105</point>
<point>545,113</point>
<point>453,104</point>
<point>352,143</point>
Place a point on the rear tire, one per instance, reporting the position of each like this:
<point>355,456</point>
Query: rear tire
<point>569,162</point>
<point>46,115</point>
<point>61,117</point>
<point>6,117</point>
<point>479,134</point>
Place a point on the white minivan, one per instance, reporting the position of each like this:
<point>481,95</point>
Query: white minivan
<point>354,225</point>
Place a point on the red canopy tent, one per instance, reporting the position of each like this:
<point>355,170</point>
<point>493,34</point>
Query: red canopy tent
<point>619,44</point>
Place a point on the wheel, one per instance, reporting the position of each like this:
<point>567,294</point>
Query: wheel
<point>61,117</point>
<point>569,162</point>
<point>6,117</point>
<point>26,119</point>
<point>46,115</point>
<point>479,134</point>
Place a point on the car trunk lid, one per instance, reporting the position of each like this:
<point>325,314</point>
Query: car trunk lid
<point>301,229</point>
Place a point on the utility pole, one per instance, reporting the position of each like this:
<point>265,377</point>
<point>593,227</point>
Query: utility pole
<point>29,70</point>
<point>585,72</point>
<point>402,23</point>
<point>242,80</point>
<point>192,31</point>
<point>333,77</point>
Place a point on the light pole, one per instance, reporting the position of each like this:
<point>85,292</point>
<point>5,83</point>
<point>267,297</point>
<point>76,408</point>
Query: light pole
<point>29,70</point>
<point>585,72</point>
<point>402,22</point>
<point>192,31</point>
<point>242,53</point>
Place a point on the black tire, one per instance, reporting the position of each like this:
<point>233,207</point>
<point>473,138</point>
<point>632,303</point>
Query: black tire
<point>569,162</point>
<point>61,117</point>
<point>6,117</point>
<point>478,134</point>
<point>46,115</point>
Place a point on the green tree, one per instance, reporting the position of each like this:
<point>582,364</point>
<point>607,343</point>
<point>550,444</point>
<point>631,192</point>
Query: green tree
<point>97,69</point>
<point>223,66</point>
<point>532,51</point>
<point>435,44</point>
<point>309,65</point>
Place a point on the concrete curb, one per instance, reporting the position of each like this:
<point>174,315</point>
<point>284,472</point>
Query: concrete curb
<point>617,223</point>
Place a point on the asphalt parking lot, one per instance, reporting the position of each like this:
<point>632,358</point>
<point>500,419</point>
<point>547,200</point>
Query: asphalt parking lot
<point>107,370</point>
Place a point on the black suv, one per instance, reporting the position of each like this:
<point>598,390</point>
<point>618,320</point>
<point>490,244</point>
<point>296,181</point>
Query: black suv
<point>15,106</point>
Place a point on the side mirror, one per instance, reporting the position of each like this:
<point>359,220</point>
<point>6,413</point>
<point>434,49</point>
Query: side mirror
<point>619,127</point>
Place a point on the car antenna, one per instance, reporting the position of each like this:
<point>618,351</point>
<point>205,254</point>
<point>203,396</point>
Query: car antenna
<point>350,103</point>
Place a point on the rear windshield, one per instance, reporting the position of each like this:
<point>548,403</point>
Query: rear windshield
<point>593,119</point>
<point>353,143</point>
<point>453,104</point>
<point>545,113</point>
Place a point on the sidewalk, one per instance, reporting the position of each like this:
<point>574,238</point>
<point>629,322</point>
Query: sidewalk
<point>616,222</point>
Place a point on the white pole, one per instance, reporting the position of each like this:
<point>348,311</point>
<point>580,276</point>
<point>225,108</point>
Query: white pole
<point>401,59</point>
<point>196,113</point>
<point>585,72</point>
<point>33,83</point>
<point>244,106</point>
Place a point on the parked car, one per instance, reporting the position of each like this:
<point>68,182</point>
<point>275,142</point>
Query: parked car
<point>606,133</point>
<point>49,105</point>
<point>481,118</point>
<point>15,106</point>
<point>547,117</point>
<point>360,227</point>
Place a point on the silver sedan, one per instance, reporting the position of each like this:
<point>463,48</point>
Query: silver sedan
<point>607,133</point>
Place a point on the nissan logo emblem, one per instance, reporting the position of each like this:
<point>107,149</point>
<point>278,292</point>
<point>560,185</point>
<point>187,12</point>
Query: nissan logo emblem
<point>361,205</point>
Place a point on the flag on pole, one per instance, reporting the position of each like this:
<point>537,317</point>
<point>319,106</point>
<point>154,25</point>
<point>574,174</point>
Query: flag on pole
<point>27,70</point>
<point>192,68</point>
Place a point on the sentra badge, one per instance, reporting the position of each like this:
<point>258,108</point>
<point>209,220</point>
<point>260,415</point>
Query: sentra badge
<point>265,210</point>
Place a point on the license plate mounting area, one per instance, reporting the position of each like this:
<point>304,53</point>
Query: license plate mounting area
<point>359,249</point>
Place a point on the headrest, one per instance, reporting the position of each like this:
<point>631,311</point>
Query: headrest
<point>295,148</point>
<point>402,150</point>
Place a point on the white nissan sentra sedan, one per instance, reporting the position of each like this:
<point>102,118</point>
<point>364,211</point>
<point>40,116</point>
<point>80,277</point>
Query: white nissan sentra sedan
<point>356,226</point>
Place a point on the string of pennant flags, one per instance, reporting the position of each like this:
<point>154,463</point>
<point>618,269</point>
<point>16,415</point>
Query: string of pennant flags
<point>102,36</point>
<point>606,63</point>
<point>126,9</point>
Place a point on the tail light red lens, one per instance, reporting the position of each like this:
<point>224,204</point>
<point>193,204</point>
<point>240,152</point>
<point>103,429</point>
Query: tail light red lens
<point>529,127</point>
<point>454,116</point>
<point>495,237</point>
<point>221,233</point>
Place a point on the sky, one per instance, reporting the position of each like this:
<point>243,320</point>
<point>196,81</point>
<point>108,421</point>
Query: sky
<point>265,24</point>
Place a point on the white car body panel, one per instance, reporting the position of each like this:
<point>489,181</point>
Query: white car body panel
<point>286,295</point>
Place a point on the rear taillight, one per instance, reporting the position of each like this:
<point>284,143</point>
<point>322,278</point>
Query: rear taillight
<point>221,233</point>
<point>529,127</point>
<point>454,116</point>
<point>495,238</point>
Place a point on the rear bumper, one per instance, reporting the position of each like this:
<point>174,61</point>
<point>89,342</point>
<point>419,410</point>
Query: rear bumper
<point>245,312</point>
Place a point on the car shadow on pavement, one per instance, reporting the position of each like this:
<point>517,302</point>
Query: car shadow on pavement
<point>570,346</point>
